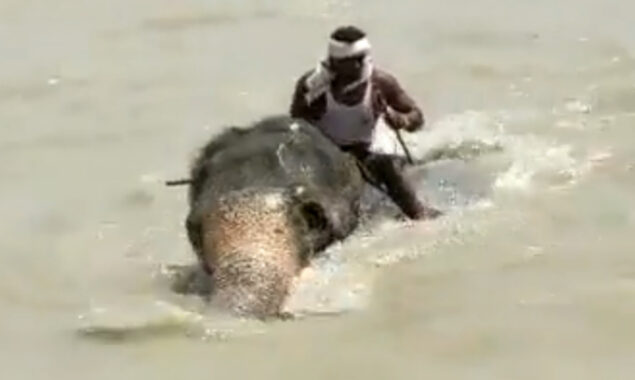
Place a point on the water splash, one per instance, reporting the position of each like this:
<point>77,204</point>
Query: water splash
<point>342,280</point>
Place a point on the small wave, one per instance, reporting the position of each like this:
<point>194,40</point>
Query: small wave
<point>188,21</point>
<point>141,320</point>
<point>198,19</point>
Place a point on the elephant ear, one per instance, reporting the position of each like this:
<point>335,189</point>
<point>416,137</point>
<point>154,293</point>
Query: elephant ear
<point>310,214</point>
<point>194,227</point>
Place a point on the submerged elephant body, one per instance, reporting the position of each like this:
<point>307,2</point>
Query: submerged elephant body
<point>263,200</point>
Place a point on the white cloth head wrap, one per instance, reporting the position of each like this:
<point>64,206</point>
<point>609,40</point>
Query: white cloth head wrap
<point>341,49</point>
<point>319,81</point>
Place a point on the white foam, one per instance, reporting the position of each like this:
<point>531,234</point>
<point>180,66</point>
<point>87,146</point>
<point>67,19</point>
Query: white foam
<point>456,129</point>
<point>532,160</point>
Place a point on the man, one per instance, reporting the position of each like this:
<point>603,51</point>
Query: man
<point>345,96</point>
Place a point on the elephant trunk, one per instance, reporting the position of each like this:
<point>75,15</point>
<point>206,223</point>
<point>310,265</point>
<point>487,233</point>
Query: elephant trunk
<point>253,251</point>
<point>249,286</point>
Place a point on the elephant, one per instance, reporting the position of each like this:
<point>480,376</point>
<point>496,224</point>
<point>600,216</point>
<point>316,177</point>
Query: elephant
<point>264,199</point>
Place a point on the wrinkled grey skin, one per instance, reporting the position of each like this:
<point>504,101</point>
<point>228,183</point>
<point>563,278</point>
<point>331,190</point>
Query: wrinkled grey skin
<point>263,201</point>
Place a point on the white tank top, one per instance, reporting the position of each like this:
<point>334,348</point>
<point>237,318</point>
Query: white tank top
<point>347,125</point>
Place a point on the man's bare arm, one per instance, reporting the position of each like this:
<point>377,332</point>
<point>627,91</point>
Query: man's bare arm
<point>302,109</point>
<point>299,106</point>
<point>410,116</point>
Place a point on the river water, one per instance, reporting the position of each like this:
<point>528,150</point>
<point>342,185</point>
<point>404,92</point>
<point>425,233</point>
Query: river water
<point>530,109</point>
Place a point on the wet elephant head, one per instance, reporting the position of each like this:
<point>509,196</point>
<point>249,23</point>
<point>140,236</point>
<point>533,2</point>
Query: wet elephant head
<point>256,220</point>
<point>254,243</point>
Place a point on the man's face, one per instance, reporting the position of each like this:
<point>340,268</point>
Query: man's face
<point>348,69</point>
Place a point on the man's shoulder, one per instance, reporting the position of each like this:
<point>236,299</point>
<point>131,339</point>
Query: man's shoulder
<point>385,80</point>
<point>393,92</point>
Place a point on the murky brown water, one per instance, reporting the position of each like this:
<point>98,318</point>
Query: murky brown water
<point>530,275</point>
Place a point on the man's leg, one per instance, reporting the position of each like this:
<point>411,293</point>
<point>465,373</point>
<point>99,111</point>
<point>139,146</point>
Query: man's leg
<point>385,170</point>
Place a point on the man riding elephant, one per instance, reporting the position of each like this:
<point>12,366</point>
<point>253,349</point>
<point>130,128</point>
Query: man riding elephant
<point>265,199</point>
<point>345,96</point>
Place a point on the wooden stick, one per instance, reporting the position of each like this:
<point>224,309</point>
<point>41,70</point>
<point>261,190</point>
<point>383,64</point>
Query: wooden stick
<point>409,158</point>
<point>411,161</point>
<point>178,182</point>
